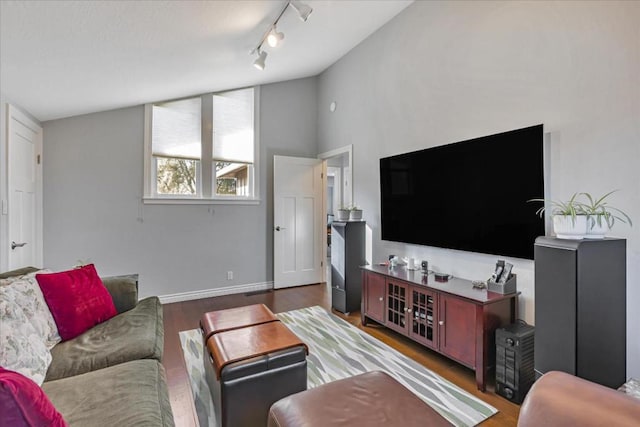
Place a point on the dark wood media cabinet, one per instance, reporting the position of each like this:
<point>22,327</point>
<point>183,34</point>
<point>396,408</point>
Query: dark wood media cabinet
<point>451,318</point>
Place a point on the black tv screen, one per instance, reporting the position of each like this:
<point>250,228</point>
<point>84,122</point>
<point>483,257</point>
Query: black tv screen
<point>470,195</point>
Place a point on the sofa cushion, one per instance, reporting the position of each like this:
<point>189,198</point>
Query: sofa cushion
<point>77,299</point>
<point>23,403</point>
<point>22,348</point>
<point>134,334</point>
<point>25,292</point>
<point>133,393</point>
<point>123,290</point>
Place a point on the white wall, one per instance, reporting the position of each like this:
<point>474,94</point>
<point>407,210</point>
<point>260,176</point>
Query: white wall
<point>93,209</point>
<point>442,72</point>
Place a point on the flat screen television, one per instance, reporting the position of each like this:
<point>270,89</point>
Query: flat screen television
<point>470,195</point>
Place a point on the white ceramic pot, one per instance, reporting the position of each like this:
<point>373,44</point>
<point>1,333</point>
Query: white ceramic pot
<point>597,227</point>
<point>355,215</point>
<point>343,215</point>
<point>567,227</point>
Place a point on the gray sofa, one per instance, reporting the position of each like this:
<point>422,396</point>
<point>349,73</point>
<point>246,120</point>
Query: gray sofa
<point>111,375</point>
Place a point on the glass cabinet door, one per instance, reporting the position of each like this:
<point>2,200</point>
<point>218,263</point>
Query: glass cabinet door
<point>397,307</point>
<point>423,313</point>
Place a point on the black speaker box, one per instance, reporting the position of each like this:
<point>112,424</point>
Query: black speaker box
<point>514,361</point>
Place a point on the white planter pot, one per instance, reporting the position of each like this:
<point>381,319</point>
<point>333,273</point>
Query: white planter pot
<point>597,227</point>
<point>355,215</point>
<point>343,215</point>
<point>567,227</point>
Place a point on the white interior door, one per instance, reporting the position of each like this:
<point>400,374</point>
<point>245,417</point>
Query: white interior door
<point>298,224</point>
<point>24,182</point>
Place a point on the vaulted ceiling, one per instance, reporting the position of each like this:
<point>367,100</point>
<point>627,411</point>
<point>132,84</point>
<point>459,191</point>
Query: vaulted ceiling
<point>64,58</point>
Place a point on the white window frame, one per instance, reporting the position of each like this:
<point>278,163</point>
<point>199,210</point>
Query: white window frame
<point>205,183</point>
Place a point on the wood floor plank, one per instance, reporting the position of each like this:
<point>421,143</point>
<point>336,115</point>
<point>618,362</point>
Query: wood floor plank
<point>186,315</point>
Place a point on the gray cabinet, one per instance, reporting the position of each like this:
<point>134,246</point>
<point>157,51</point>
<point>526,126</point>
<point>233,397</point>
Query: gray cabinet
<point>580,308</point>
<point>347,255</point>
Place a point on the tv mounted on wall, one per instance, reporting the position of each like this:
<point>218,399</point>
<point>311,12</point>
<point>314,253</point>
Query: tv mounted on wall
<point>470,195</point>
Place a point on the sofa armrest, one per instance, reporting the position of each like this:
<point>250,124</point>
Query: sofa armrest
<point>558,399</point>
<point>123,290</point>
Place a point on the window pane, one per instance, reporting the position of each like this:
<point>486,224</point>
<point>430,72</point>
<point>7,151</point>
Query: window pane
<point>233,126</point>
<point>176,176</point>
<point>232,179</point>
<point>176,129</point>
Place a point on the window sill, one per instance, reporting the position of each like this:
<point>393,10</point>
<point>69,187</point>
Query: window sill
<point>187,201</point>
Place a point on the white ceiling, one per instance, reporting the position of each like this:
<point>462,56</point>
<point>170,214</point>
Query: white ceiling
<point>64,58</point>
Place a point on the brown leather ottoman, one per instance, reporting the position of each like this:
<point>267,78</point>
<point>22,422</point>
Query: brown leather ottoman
<point>249,368</point>
<point>234,318</point>
<point>370,399</point>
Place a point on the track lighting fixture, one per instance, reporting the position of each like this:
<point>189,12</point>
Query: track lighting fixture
<point>303,10</point>
<point>273,37</point>
<point>259,62</point>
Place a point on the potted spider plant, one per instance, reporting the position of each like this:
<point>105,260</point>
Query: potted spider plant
<point>355,213</point>
<point>601,216</point>
<point>569,217</point>
<point>343,214</point>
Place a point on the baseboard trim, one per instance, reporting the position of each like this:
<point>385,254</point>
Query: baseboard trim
<point>208,293</point>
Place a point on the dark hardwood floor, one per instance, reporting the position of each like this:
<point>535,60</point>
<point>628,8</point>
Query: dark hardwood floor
<point>186,315</point>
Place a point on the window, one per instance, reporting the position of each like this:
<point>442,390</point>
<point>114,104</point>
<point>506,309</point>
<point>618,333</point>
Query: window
<point>202,148</point>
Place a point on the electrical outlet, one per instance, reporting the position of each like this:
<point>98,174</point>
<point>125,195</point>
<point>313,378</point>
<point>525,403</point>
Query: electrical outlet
<point>229,275</point>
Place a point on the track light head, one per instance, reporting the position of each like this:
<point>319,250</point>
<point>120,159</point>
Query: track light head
<point>274,38</point>
<point>259,62</point>
<point>303,10</point>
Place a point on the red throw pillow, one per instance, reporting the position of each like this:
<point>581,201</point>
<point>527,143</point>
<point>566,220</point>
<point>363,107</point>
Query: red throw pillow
<point>23,403</point>
<point>78,300</point>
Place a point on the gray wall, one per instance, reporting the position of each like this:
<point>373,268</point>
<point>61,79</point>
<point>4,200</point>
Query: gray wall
<point>442,72</point>
<point>93,210</point>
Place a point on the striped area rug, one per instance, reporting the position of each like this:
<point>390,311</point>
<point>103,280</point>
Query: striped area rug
<point>339,350</point>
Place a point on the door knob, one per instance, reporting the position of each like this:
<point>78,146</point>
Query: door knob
<point>441,322</point>
<point>278,228</point>
<point>380,299</point>
<point>15,245</point>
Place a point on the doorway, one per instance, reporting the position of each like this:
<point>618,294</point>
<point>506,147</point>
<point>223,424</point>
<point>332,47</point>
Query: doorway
<point>338,192</point>
<point>298,188</point>
<point>23,206</point>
